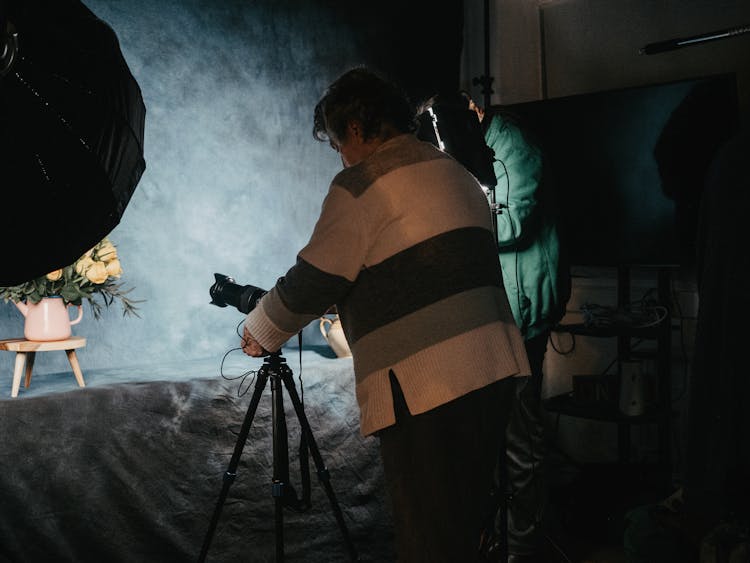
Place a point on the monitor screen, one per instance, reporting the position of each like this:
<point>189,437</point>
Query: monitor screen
<point>625,168</point>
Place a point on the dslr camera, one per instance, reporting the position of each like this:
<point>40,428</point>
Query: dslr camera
<point>225,292</point>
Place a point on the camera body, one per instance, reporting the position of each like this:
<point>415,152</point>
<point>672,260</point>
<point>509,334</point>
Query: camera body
<point>225,292</point>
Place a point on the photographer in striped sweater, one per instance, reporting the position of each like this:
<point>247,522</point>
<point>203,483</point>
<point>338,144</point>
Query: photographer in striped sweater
<point>404,247</point>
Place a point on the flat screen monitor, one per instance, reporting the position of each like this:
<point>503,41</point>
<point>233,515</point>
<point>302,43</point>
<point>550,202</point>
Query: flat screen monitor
<point>625,168</point>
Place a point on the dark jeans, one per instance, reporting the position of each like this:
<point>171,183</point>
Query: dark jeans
<point>438,472</point>
<point>525,484</point>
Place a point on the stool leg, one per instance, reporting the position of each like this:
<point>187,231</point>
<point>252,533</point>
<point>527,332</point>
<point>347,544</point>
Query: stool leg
<point>73,359</point>
<point>29,367</point>
<point>18,372</point>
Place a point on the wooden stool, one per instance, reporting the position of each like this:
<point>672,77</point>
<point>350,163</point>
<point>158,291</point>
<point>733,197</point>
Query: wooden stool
<point>23,348</point>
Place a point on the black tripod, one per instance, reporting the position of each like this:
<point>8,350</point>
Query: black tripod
<point>275,367</point>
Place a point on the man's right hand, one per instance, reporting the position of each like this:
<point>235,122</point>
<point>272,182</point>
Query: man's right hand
<point>252,347</point>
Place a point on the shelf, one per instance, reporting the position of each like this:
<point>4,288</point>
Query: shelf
<point>598,410</point>
<point>629,329</point>
<point>609,331</point>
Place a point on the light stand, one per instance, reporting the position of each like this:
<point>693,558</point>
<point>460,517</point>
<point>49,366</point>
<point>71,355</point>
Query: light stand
<point>275,367</point>
<point>486,80</point>
<point>500,547</point>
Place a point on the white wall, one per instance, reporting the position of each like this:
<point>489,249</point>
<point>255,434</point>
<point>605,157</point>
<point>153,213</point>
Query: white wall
<point>556,48</point>
<point>593,46</point>
<point>576,46</point>
<point>515,50</point>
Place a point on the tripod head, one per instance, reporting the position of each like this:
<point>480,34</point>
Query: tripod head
<point>274,365</point>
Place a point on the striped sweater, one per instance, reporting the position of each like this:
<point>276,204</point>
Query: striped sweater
<point>404,248</point>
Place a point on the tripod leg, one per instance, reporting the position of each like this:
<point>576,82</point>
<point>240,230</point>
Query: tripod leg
<point>323,475</point>
<point>231,471</point>
<point>280,462</point>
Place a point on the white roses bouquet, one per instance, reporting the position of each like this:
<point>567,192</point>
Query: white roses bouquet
<point>96,272</point>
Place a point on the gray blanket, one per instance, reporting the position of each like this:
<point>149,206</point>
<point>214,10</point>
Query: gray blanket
<point>132,471</point>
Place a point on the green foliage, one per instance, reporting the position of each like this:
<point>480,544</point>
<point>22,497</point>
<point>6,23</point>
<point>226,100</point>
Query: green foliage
<point>95,274</point>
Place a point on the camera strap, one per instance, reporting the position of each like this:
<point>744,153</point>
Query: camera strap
<point>304,468</point>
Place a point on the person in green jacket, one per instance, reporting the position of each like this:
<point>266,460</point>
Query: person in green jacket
<point>537,281</point>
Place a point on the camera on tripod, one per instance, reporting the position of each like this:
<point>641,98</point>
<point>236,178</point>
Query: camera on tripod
<point>225,292</point>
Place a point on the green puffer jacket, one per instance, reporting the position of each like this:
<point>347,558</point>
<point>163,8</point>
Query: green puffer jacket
<point>536,278</point>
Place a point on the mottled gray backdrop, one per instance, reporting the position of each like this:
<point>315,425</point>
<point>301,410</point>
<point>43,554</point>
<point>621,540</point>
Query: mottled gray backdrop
<point>234,179</point>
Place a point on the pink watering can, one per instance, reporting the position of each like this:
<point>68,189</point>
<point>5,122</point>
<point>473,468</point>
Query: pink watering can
<point>48,320</point>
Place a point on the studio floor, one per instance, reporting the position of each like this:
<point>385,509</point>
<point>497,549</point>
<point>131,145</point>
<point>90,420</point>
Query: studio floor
<point>129,468</point>
<point>150,444</point>
<point>610,513</point>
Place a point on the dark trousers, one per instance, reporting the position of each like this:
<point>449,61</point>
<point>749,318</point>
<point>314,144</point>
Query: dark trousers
<point>438,471</point>
<point>525,483</point>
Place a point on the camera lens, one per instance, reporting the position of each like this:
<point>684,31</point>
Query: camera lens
<point>225,292</point>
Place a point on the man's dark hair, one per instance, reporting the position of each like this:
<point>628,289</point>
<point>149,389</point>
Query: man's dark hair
<point>365,96</point>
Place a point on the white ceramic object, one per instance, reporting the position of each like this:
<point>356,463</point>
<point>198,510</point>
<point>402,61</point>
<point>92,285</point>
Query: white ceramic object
<point>48,320</point>
<point>333,332</point>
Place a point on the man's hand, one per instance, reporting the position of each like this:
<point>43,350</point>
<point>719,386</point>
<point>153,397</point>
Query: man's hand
<point>250,346</point>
